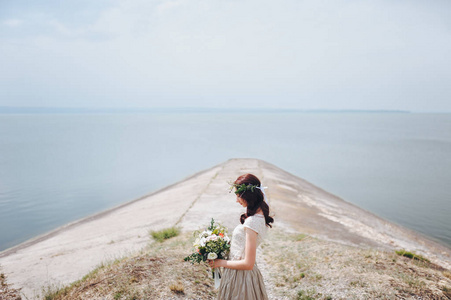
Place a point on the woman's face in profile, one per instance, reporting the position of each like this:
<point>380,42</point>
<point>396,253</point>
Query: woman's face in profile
<point>241,201</point>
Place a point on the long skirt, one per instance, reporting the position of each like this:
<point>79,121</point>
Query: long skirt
<point>242,285</point>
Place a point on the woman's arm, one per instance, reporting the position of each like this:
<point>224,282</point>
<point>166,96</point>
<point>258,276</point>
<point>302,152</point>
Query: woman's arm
<point>249,255</point>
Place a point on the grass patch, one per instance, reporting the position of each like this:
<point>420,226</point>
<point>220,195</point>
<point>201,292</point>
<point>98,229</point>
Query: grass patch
<point>6,292</point>
<point>317,269</point>
<point>177,288</point>
<point>447,274</point>
<point>53,292</point>
<point>446,291</point>
<point>306,295</point>
<point>165,234</point>
<point>311,269</point>
<point>412,255</point>
<point>156,272</point>
<point>299,237</point>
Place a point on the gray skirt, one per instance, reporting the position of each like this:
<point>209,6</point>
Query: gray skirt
<point>242,285</point>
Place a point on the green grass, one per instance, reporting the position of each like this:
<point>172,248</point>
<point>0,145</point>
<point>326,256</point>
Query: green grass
<point>411,255</point>
<point>306,295</point>
<point>165,234</point>
<point>300,237</point>
<point>51,292</point>
<point>55,292</point>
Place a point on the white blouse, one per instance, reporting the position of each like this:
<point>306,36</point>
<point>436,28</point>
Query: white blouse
<point>257,224</point>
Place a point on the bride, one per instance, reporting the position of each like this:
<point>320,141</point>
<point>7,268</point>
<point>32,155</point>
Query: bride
<point>241,277</point>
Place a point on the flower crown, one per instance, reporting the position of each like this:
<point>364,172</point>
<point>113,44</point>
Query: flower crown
<point>241,188</point>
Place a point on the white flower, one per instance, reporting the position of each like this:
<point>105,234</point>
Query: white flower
<point>212,237</point>
<point>203,241</point>
<point>226,238</point>
<point>212,256</point>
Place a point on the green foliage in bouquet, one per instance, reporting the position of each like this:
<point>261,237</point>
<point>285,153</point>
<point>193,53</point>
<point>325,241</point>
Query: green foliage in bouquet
<point>212,243</point>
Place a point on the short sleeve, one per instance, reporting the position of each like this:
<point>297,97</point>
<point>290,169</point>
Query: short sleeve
<point>256,223</point>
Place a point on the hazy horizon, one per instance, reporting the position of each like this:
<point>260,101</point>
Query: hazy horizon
<point>198,109</point>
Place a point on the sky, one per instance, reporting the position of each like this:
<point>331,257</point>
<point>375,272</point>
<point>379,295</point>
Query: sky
<point>390,55</point>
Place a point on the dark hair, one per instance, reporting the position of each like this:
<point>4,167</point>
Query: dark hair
<point>254,198</point>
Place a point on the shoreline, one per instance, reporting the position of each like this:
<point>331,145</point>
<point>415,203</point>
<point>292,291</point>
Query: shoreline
<point>95,216</point>
<point>299,206</point>
<point>332,211</point>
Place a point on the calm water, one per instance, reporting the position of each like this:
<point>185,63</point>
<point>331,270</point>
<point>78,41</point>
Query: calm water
<point>58,168</point>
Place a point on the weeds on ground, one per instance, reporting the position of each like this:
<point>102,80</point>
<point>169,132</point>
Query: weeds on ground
<point>157,272</point>
<point>447,274</point>
<point>165,234</point>
<point>306,295</point>
<point>309,268</point>
<point>177,287</point>
<point>302,268</point>
<point>6,291</point>
<point>411,255</point>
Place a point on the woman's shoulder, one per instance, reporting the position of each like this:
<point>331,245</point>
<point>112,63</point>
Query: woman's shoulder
<point>255,217</point>
<point>255,222</point>
<point>259,216</point>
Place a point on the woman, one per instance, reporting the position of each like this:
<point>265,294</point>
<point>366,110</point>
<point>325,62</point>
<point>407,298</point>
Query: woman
<point>241,278</point>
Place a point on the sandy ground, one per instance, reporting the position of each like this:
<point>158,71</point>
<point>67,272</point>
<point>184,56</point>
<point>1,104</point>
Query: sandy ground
<point>68,253</point>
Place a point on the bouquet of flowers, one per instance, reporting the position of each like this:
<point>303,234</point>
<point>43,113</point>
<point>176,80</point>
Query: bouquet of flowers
<point>212,243</point>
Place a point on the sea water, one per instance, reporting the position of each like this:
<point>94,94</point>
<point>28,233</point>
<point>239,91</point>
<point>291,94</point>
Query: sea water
<point>57,168</point>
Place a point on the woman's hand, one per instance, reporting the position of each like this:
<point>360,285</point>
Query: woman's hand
<point>249,255</point>
<point>216,263</point>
